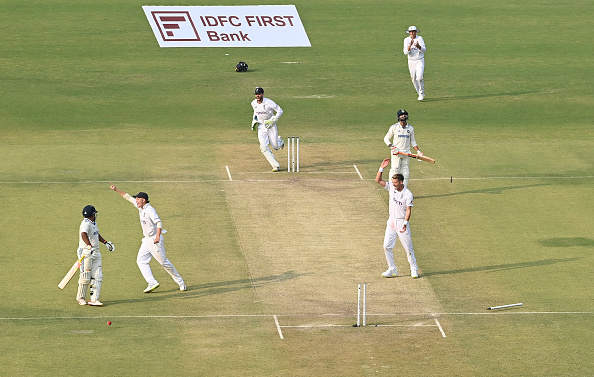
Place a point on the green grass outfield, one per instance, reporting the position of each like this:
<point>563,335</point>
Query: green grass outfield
<point>272,261</point>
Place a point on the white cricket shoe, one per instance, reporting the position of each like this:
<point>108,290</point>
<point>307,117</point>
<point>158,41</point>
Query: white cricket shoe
<point>390,273</point>
<point>183,287</point>
<point>275,169</point>
<point>95,303</point>
<point>421,97</point>
<point>151,288</point>
<point>414,274</point>
<point>81,301</point>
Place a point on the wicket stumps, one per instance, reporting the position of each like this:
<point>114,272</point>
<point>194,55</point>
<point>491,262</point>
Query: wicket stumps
<point>293,154</point>
<point>359,306</point>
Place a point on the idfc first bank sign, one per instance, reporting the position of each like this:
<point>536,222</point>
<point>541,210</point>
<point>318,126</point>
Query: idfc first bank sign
<point>227,26</point>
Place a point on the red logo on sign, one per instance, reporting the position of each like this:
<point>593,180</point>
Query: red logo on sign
<point>176,26</point>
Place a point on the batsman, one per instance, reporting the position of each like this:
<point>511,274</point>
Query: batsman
<point>400,138</point>
<point>91,273</point>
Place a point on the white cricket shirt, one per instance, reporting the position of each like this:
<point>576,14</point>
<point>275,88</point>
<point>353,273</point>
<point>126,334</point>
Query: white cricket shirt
<point>400,137</point>
<point>149,220</point>
<point>399,200</point>
<point>90,228</point>
<point>265,110</point>
<point>415,53</point>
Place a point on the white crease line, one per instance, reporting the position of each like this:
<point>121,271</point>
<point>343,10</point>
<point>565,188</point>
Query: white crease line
<point>270,180</point>
<point>278,327</point>
<point>228,173</point>
<point>283,315</point>
<point>440,328</point>
<point>331,325</point>
<point>358,172</point>
<point>485,178</point>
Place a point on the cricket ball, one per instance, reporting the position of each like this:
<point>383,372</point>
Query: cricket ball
<point>108,323</point>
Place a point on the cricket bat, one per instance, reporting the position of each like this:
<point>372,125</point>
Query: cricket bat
<point>70,273</point>
<point>422,158</point>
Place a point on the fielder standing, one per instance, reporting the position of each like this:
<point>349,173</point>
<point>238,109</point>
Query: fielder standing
<point>264,121</point>
<point>91,273</point>
<point>400,138</point>
<point>400,208</point>
<point>153,243</point>
<point>414,49</point>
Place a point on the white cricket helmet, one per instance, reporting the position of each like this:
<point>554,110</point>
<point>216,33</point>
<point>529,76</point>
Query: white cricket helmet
<point>412,28</point>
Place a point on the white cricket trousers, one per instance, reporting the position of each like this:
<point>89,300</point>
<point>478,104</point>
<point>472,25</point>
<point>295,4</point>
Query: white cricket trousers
<point>269,136</point>
<point>393,228</point>
<point>399,164</point>
<point>417,69</point>
<point>148,250</point>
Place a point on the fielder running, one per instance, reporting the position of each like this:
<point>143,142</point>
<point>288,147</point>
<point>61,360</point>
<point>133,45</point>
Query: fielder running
<point>400,208</point>
<point>414,49</point>
<point>153,244</point>
<point>91,273</point>
<point>400,137</point>
<point>264,121</point>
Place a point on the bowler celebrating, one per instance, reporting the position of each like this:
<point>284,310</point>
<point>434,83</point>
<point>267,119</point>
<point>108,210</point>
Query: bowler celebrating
<point>400,208</point>
<point>153,244</point>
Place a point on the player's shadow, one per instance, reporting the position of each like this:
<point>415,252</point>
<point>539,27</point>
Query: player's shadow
<point>503,267</point>
<point>567,242</point>
<point>489,190</point>
<point>476,96</point>
<point>214,288</point>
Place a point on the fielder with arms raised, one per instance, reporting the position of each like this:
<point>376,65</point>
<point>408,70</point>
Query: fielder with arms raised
<point>91,272</point>
<point>400,138</point>
<point>400,208</point>
<point>153,244</point>
<point>264,121</point>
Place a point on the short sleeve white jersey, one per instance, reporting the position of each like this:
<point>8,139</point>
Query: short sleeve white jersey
<point>90,228</point>
<point>400,137</point>
<point>415,53</point>
<point>265,110</point>
<point>149,219</point>
<point>399,200</point>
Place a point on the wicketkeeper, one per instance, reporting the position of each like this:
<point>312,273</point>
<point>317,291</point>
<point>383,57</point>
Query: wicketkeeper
<point>91,273</point>
<point>264,121</point>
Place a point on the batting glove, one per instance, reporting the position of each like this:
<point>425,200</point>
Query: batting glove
<point>419,153</point>
<point>394,150</point>
<point>110,246</point>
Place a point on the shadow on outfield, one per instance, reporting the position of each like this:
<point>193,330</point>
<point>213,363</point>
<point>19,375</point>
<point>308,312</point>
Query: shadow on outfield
<point>476,96</point>
<point>215,288</point>
<point>566,242</point>
<point>492,190</point>
<point>503,267</point>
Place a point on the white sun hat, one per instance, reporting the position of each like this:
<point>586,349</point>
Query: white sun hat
<point>412,28</point>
